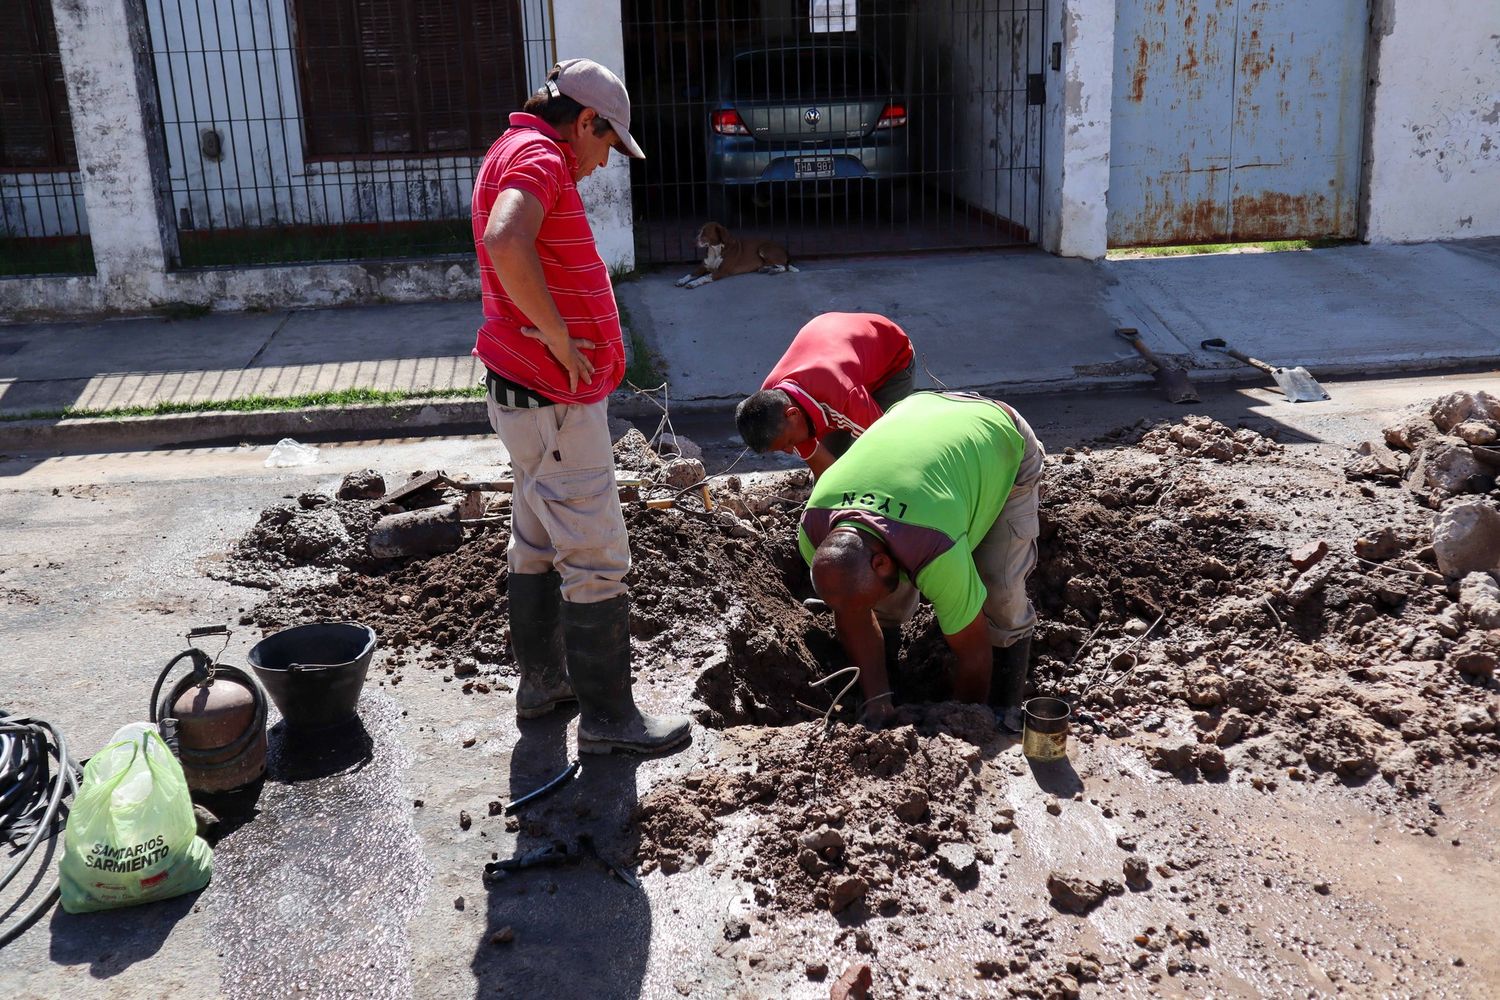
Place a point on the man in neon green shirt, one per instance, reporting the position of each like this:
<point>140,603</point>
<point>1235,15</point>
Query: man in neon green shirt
<point>938,497</point>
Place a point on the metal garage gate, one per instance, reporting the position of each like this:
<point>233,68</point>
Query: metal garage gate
<point>836,126</point>
<point>1236,120</point>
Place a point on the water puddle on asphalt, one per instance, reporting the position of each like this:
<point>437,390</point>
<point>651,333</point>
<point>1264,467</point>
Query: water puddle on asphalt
<point>312,896</point>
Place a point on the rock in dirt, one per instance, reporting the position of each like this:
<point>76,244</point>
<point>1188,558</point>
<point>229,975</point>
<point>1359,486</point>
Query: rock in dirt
<point>958,860</point>
<point>1075,894</point>
<point>845,892</point>
<point>682,473</point>
<point>1480,432</point>
<point>366,484</point>
<point>1309,585</point>
<point>1477,656</point>
<point>1410,432</point>
<point>1171,756</point>
<point>1309,554</point>
<point>1137,873</point>
<point>1447,412</point>
<point>1198,436</point>
<point>1466,538</point>
<point>1209,759</point>
<point>854,984</point>
<point>1379,546</point>
<point>1448,466</point>
<point>1373,461</point>
<point>1479,597</point>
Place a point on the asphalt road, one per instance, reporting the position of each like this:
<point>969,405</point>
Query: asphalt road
<point>101,574</point>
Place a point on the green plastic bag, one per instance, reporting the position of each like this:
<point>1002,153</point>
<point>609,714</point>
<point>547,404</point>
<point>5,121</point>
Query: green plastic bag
<point>131,836</point>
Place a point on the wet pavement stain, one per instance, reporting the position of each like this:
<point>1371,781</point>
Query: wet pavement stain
<point>313,895</point>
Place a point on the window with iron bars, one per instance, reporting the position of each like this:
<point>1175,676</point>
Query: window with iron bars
<point>408,77</point>
<point>36,132</point>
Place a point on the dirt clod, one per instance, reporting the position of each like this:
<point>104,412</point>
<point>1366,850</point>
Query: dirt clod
<point>1075,894</point>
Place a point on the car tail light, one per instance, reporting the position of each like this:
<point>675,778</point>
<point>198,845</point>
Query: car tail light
<point>893,115</point>
<point>729,122</point>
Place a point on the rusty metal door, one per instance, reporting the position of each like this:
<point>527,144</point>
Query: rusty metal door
<point>1236,120</point>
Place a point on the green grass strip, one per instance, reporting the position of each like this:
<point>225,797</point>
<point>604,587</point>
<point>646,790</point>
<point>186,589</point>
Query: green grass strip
<point>1267,246</point>
<point>340,397</point>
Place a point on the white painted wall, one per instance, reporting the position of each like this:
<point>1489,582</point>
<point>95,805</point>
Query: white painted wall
<point>1079,96</point>
<point>594,29</point>
<point>102,44</point>
<point>985,129</point>
<point>1434,127</point>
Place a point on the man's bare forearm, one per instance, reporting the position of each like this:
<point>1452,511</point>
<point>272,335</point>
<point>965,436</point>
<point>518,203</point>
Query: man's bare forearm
<point>860,636</point>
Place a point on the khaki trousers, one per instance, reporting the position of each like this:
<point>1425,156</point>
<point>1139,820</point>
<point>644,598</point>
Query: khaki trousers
<point>565,509</point>
<point>1005,556</point>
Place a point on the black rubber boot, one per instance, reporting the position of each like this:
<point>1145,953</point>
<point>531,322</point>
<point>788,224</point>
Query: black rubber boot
<point>536,641</point>
<point>1008,682</point>
<point>598,644</point>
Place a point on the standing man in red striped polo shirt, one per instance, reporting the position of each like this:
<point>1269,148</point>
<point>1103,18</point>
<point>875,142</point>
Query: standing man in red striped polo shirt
<point>841,372</point>
<point>552,348</point>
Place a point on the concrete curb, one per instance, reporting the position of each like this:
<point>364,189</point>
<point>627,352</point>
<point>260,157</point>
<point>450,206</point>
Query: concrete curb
<point>434,416</point>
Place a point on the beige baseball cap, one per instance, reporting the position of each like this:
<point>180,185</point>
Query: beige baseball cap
<point>594,86</point>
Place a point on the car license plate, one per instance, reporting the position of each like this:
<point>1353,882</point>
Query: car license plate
<point>814,166</point>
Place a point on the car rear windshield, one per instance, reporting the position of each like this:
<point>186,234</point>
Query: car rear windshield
<point>809,74</point>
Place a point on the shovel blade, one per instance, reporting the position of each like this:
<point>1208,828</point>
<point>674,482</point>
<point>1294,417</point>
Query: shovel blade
<point>1298,385</point>
<point>1175,385</point>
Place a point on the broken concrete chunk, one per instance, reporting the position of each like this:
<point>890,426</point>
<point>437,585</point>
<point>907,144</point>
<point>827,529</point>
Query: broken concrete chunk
<point>1479,597</point>
<point>1466,538</point>
<point>1410,432</point>
<point>1372,460</point>
<point>1453,409</point>
<point>1480,432</point>
<point>682,473</point>
<point>1448,466</point>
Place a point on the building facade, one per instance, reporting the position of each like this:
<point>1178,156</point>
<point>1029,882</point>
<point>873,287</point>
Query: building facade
<point>261,153</point>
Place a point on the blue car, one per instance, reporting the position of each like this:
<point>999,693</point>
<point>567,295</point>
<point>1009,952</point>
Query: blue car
<point>798,118</point>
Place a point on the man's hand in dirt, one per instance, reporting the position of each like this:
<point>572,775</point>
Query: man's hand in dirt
<point>877,713</point>
<point>566,350</point>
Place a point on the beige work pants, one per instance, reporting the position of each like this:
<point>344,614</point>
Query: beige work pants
<point>1005,556</point>
<point>565,510</point>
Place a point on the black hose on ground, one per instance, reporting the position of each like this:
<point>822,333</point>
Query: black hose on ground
<point>36,775</point>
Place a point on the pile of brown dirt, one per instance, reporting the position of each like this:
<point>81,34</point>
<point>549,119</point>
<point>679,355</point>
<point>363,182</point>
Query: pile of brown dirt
<point>842,819</point>
<point>314,530</point>
<point>1229,604</point>
<point>711,591</point>
<point>1204,437</point>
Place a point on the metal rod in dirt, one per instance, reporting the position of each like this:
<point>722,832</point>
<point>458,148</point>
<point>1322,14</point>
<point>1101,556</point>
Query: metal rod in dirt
<point>549,787</point>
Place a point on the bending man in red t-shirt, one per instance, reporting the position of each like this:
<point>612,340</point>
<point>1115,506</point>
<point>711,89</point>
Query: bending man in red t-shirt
<point>841,372</point>
<point>552,351</point>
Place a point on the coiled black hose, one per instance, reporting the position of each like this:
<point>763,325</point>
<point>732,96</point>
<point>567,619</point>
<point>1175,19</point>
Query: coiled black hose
<point>36,775</point>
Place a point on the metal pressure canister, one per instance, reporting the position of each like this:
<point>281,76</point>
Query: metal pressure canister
<point>214,720</point>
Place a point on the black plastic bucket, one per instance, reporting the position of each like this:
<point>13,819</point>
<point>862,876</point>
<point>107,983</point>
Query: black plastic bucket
<point>314,673</point>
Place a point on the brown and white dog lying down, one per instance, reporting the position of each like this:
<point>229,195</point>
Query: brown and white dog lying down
<point>724,256</point>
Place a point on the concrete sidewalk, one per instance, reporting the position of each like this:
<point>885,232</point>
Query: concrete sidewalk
<point>1009,323</point>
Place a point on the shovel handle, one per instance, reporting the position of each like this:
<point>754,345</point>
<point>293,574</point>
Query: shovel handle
<point>1133,336</point>
<point>1217,344</point>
